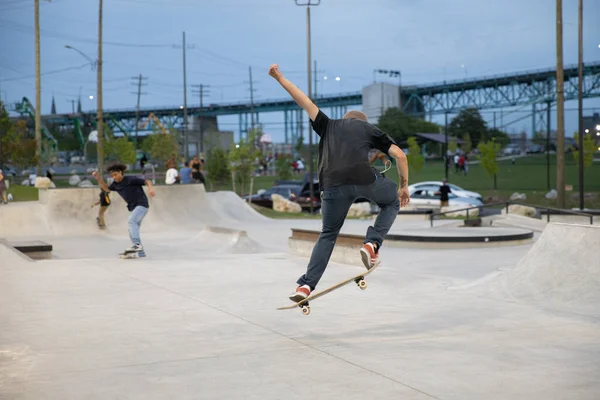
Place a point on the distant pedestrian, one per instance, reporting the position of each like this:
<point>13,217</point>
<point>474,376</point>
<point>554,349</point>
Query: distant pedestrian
<point>185,173</point>
<point>172,176</point>
<point>3,188</point>
<point>197,175</point>
<point>104,202</point>
<point>443,193</point>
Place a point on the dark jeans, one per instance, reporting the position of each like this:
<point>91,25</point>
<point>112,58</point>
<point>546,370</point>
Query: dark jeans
<point>335,203</point>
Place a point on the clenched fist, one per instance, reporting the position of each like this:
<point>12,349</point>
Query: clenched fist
<point>274,71</point>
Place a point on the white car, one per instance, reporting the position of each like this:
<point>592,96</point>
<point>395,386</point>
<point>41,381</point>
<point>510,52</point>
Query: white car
<point>458,191</point>
<point>426,197</point>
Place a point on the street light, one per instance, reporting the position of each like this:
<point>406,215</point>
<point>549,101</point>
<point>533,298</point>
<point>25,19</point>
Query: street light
<point>93,63</point>
<point>308,4</point>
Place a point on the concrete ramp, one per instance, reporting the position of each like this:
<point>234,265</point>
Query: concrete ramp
<point>10,257</point>
<point>69,212</point>
<point>562,270</point>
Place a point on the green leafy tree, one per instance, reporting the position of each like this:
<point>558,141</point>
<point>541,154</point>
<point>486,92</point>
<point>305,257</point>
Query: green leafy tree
<point>122,150</point>
<point>20,146</point>
<point>401,126</point>
<point>467,145</point>
<point>452,146</point>
<point>539,138</point>
<point>469,121</point>
<point>300,144</point>
<point>218,166</point>
<point>589,148</point>
<point>5,127</point>
<point>415,158</point>
<point>162,147</point>
<point>243,159</point>
<point>284,167</point>
<point>500,137</point>
<point>488,156</point>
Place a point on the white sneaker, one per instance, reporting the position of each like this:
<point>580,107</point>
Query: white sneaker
<point>136,248</point>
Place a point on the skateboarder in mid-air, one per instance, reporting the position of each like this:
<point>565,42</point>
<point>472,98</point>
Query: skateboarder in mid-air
<point>130,189</point>
<point>344,176</point>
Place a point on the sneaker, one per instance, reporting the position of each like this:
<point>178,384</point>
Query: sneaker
<point>369,255</point>
<point>136,248</point>
<point>300,294</point>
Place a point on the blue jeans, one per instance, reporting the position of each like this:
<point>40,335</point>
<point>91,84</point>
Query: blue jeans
<point>135,221</point>
<point>335,203</point>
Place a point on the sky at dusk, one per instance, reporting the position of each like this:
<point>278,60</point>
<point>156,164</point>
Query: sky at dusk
<point>428,40</point>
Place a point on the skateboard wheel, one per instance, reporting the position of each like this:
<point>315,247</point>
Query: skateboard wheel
<point>362,284</point>
<point>305,310</point>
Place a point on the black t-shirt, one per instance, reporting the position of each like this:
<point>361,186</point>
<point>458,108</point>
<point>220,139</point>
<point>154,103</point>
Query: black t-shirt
<point>344,150</point>
<point>131,190</point>
<point>444,190</point>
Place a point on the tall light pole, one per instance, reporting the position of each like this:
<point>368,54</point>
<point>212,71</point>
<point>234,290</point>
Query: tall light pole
<point>99,118</point>
<point>560,109</point>
<point>38,92</point>
<point>308,4</point>
<point>580,101</point>
<point>93,63</point>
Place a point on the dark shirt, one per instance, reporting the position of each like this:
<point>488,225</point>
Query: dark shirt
<point>344,150</point>
<point>444,190</point>
<point>131,190</point>
<point>104,199</point>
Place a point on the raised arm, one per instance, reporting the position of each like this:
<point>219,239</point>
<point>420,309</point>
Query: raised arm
<point>101,182</point>
<point>299,97</point>
<point>402,163</point>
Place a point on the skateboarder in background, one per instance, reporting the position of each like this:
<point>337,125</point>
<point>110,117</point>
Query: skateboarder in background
<point>345,175</point>
<point>130,189</point>
<point>104,202</point>
<point>3,188</point>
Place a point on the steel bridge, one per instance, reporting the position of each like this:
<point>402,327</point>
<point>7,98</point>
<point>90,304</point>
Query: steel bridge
<point>535,88</point>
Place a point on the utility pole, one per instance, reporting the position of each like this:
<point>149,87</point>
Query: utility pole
<point>308,4</point>
<point>38,92</point>
<point>185,133</point>
<point>560,109</point>
<point>201,90</point>
<point>99,118</point>
<point>137,108</point>
<point>580,105</point>
<point>251,98</point>
<point>315,78</point>
<point>445,158</point>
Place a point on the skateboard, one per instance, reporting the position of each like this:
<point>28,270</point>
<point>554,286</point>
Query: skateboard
<point>129,255</point>
<point>304,304</point>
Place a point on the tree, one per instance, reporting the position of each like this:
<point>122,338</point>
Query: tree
<point>300,143</point>
<point>488,152</point>
<point>452,146</point>
<point>500,137</point>
<point>589,148</point>
<point>218,166</point>
<point>469,121</point>
<point>284,166</point>
<point>243,158</point>
<point>415,158</point>
<point>467,145</point>
<point>539,138</point>
<point>401,126</point>
<point>20,147</point>
<point>120,149</point>
<point>161,147</point>
<point>5,126</point>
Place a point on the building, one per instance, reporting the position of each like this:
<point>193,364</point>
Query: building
<point>377,98</point>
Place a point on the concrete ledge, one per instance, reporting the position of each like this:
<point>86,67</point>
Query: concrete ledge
<point>302,240</point>
<point>35,249</point>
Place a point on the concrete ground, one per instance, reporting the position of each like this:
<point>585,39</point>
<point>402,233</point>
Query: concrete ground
<point>196,320</point>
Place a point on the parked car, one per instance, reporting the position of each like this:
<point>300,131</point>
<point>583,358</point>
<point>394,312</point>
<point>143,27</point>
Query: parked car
<point>8,171</point>
<point>425,197</point>
<point>264,199</point>
<point>303,198</point>
<point>458,191</point>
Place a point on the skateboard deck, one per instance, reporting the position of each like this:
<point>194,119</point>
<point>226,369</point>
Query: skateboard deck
<point>304,304</point>
<point>128,255</point>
